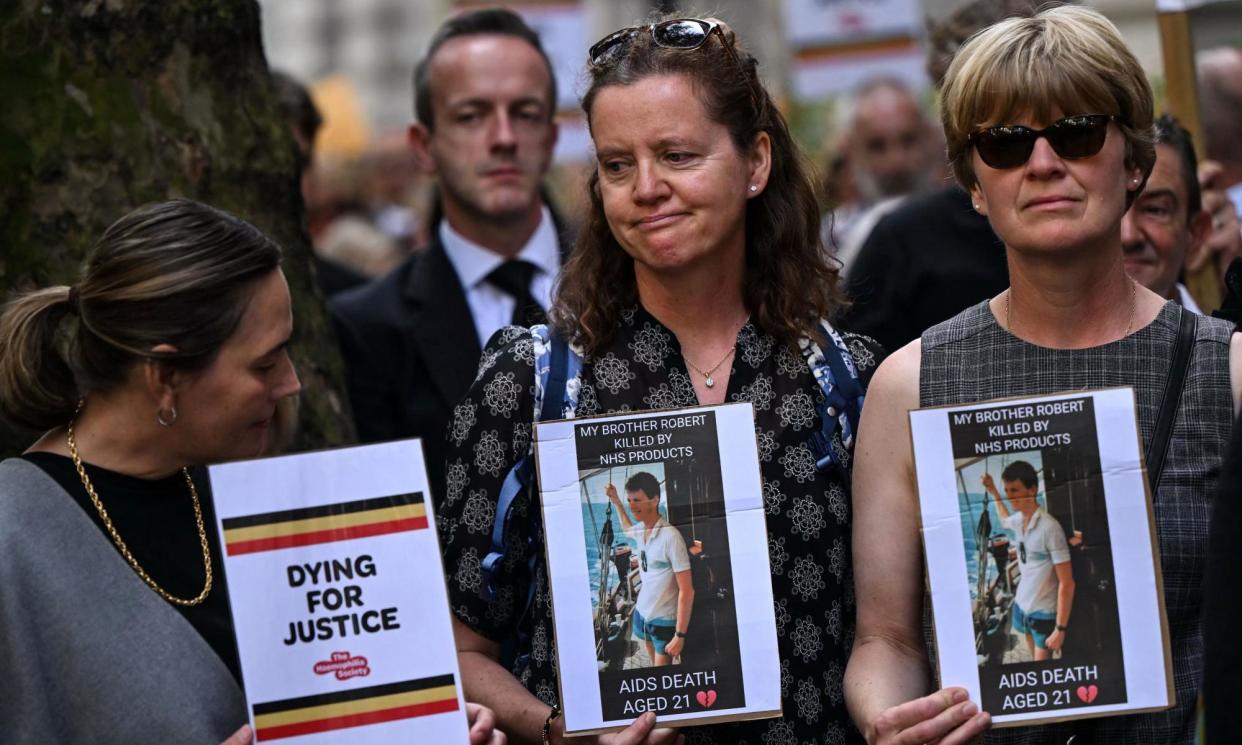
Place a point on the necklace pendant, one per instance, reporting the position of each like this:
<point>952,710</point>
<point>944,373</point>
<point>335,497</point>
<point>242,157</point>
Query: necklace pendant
<point>710,381</point>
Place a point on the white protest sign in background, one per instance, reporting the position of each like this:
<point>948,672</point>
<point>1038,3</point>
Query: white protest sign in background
<point>830,72</point>
<point>565,35</point>
<point>1132,672</point>
<point>817,22</point>
<point>841,44</point>
<point>740,678</point>
<point>1180,6</point>
<point>338,597</point>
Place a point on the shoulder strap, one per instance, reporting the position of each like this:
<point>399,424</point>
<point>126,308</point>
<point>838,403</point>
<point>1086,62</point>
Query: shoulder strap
<point>553,404</point>
<point>552,366</point>
<point>1158,447</point>
<point>838,380</point>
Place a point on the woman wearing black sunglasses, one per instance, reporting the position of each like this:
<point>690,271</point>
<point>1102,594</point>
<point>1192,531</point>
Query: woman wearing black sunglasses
<point>698,273</point>
<point>1048,122</point>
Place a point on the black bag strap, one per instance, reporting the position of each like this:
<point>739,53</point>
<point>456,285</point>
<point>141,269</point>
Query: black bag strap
<point>1158,447</point>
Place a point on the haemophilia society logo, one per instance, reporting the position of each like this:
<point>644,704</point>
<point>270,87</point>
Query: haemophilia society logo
<point>344,666</point>
<point>326,712</point>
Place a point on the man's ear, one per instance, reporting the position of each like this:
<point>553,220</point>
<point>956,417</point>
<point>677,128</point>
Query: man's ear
<point>552,140</point>
<point>1198,228</point>
<point>162,380</point>
<point>419,138</point>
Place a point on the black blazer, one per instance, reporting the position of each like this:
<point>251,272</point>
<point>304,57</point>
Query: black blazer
<point>411,352</point>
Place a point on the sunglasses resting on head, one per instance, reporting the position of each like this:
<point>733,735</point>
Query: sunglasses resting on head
<point>677,33</point>
<point>1072,138</point>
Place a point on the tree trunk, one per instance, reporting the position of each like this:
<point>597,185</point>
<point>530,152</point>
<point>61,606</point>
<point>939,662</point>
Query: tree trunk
<point>110,104</point>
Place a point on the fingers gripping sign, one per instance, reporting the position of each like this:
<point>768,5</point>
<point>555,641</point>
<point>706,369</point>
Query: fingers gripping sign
<point>243,736</point>
<point>642,732</point>
<point>483,726</point>
<point>946,717</point>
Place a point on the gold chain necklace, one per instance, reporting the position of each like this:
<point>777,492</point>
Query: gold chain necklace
<point>120,544</point>
<point>1129,323</point>
<point>708,380</point>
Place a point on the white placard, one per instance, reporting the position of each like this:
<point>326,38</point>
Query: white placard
<point>819,22</point>
<point>564,32</point>
<point>821,76</point>
<point>1180,6</point>
<point>573,141</point>
<point>704,530</point>
<point>1067,473</point>
<point>338,597</point>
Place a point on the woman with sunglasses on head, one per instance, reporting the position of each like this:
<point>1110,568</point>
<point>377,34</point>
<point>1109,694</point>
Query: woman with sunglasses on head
<point>697,275</point>
<point>168,354</point>
<point>1048,122</point>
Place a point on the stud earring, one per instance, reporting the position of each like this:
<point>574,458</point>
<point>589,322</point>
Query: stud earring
<point>753,188</point>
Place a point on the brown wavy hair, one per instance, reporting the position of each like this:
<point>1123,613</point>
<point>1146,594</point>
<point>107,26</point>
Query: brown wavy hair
<point>791,283</point>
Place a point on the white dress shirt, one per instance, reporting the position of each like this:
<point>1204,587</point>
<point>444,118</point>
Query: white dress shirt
<point>1235,195</point>
<point>1187,301</point>
<point>491,306</point>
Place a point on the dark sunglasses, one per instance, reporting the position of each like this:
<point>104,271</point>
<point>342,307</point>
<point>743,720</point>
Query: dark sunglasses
<point>678,33</point>
<point>1010,145</point>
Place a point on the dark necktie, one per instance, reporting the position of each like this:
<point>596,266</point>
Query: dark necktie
<point>513,278</point>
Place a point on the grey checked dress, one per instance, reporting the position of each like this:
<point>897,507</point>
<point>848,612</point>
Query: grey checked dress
<point>971,358</point>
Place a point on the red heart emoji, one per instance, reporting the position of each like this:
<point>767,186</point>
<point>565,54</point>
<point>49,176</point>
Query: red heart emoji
<point>1087,694</point>
<point>707,698</point>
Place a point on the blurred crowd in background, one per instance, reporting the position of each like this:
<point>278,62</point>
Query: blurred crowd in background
<point>862,103</point>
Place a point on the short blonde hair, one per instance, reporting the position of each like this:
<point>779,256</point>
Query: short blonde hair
<point>1068,57</point>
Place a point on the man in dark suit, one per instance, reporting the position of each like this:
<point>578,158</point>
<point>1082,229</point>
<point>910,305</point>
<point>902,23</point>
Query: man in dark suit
<point>484,99</point>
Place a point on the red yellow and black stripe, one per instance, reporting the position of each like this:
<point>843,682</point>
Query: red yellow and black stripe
<point>354,708</point>
<point>324,524</point>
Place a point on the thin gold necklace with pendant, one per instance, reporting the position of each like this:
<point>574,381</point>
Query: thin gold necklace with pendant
<point>708,380</point>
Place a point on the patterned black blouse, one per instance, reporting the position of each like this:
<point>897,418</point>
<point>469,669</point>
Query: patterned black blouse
<point>808,512</point>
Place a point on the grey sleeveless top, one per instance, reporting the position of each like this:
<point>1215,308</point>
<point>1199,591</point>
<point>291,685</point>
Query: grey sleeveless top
<point>971,358</point>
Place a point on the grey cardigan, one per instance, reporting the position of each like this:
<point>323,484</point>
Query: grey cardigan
<point>88,653</point>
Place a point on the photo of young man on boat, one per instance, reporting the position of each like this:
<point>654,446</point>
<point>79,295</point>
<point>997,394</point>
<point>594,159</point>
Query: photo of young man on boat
<point>659,529</point>
<point>657,557</point>
<point>1039,562</point>
<point>666,599</point>
<point>1045,593</point>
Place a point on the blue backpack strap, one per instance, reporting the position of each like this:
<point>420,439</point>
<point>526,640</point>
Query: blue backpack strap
<point>552,367</point>
<point>837,375</point>
<point>558,380</point>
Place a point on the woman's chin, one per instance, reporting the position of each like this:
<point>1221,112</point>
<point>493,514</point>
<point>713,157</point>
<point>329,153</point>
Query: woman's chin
<point>255,442</point>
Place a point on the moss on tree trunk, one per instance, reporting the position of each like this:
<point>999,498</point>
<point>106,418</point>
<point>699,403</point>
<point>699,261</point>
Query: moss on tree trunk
<point>109,104</point>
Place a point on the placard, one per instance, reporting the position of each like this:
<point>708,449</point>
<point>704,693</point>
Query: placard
<point>1041,554</point>
<point>658,556</point>
<point>1180,6</point>
<point>818,22</point>
<point>338,599</point>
